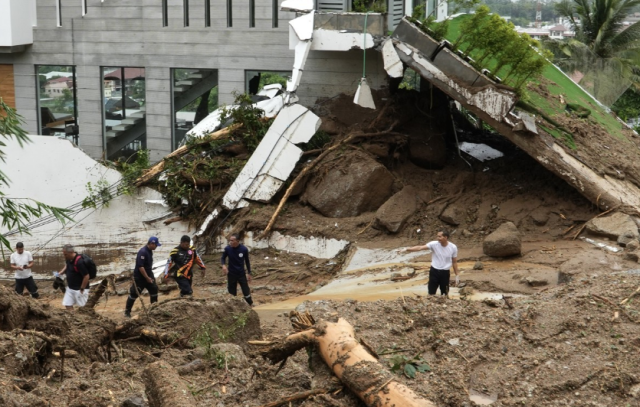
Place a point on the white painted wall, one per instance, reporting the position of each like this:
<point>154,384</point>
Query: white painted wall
<point>16,22</point>
<point>54,171</point>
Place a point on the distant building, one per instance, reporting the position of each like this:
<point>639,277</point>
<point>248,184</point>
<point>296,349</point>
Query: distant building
<point>556,32</point>
<point>56,87</point>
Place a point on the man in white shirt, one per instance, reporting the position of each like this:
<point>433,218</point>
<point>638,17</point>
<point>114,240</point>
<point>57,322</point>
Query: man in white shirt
<point>21,262</point>
<point>444,255</point>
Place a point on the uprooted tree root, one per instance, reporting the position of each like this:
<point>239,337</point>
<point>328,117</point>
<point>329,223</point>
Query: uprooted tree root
<point>350,362</point>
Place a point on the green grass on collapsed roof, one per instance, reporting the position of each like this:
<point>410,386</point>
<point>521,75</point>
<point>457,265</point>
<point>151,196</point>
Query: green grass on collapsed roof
<point>557,83</point>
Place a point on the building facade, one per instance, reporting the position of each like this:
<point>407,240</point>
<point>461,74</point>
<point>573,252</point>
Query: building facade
<point>136,66</point>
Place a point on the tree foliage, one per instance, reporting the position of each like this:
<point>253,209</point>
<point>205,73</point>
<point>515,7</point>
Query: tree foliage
<point>495,45</point>
<point>605,52</point>
<point>17,212</point>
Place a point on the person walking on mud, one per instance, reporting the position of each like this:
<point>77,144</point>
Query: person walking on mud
<point>180,265</point>
<point>21,262</point>
<point>238,255</point>
<point>444,255</point>
<point>77,292</point>
<point>143,276</point>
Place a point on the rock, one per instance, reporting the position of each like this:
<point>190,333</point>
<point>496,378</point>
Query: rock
<point>613,226</point>
<point>632,256</point>
<point>330,126</point>
<point>534,282</point>
<point>234,354</point>
<point>428,151</point>
<point>491,302</point>
<point>134,401</point>
<point>633,245</point>
<point>452,215</point>
<point>540,216</point>
<point>394,213</point>
<point>378,149</point>
<point>478,265</point>
<point>503,242</point>
<point>626,238</point>
<point>348,186</point>
<point>466,233</point>
<point>191,367</point>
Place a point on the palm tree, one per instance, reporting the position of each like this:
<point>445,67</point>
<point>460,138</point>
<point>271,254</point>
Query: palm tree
<point>604,51</point>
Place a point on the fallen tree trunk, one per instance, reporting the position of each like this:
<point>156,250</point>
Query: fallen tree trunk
<point>97,293</point>
<point>165,388</point>
<point>350,361</point>
<point>159,167</point>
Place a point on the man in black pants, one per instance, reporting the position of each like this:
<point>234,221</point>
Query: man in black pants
<point>444,256</point>
<point>180,263</point>
<point>143,276</point>
<point>238,255</point>
<point>21,262</point>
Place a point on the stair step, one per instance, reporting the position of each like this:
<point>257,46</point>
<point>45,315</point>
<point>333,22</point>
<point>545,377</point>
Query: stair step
<point>121,127</point>
<point>131,120</point>
<point>137,115</point>
<point>195,76</point>
<point>185,83</point>
<point>179,89</point>
<point>113,133</point>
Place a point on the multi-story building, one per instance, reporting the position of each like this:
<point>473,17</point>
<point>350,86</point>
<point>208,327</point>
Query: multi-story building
<point>138,65</point>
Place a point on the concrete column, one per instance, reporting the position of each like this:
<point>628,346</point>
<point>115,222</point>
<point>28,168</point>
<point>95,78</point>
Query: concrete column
<point>159,112</point>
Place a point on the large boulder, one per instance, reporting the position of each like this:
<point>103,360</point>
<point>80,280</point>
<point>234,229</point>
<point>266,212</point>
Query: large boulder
<point>452,215</point>
<point>428,151</point>
<point>348,185</point>
<point>504,242</point>
<point>394,213</point>
<point>613,226</point>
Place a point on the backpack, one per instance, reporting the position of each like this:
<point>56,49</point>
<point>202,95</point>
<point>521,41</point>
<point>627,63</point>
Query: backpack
<point>89,263</point>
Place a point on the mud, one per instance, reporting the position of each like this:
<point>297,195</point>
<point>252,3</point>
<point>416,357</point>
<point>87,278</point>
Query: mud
<point>564,339</point>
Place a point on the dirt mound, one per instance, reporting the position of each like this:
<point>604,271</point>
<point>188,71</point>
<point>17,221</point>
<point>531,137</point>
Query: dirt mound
<point>221,319</point>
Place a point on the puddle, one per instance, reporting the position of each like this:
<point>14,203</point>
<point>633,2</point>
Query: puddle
<point>377,266</point>
<point>368,287</point>
<point>482,399</point>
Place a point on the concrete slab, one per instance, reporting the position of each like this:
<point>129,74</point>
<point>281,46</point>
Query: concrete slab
<point>331,40</point>
<point>274,159</point>
<point>302,6</point>
<point>302,49</point>
<point>303,26</point>
<point>392,63</point>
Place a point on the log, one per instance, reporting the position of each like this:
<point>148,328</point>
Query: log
<point>159,167</point>
<point>351,363</point>
<point>97,293</point>
<point>165,388</point>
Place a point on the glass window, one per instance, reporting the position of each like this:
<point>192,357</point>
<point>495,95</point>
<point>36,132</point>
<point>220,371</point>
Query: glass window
<point>57,107</point>
<point>124,111</point>
<point>195,95</point>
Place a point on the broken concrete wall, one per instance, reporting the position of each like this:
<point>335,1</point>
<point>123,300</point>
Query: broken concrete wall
<point>54,171</point>
<point>493,104</point>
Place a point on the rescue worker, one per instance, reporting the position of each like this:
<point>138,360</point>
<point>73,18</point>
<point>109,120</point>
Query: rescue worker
<point>238,256</point>
<point>143,275</point>
<point>180,265</point>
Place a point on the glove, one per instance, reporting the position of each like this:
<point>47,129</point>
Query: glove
<point>56,274</point>
<point>457,281</point>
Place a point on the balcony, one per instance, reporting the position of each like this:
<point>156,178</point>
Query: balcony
<point>17,18</point>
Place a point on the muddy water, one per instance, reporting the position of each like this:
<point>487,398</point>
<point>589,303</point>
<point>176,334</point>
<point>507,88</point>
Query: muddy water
<point>368,272</point>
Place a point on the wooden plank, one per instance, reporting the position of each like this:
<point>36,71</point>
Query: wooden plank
<point>7,85</point>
